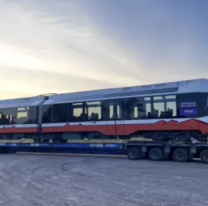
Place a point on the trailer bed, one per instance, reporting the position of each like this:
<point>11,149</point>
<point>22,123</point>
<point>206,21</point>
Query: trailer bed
<point>155,151</point>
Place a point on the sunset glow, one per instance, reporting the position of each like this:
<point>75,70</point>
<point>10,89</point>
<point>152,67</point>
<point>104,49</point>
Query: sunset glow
<point>62,46</point>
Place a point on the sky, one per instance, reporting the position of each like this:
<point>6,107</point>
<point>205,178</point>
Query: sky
<point>58,46</point>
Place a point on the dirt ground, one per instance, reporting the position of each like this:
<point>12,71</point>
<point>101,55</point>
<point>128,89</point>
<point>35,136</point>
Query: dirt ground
<point>75,180</point>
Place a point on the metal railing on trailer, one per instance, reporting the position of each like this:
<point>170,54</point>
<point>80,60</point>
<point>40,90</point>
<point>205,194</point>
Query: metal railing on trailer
<point>134,150</point>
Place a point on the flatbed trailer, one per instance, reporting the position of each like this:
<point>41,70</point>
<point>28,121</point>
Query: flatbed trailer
<point>155,151</point>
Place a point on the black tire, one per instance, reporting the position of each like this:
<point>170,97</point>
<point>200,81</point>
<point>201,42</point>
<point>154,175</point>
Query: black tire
<point>204,156</point>
<point>180,155</point>
<point>134,153</point>
<point>155,154</point>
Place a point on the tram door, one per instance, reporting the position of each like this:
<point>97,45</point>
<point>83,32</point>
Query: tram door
<point>112,122</point>
<point>110,117</point>
<point>113,109</point>
<point>120,127</point>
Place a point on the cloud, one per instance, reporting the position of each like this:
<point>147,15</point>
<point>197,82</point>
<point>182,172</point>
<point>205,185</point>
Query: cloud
<point>164,38</point>
<point>59,46</point>
<point>36,38</point>
<point>36,82</point>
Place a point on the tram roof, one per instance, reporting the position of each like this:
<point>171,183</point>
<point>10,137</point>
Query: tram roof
<point>186,86</point>
<point>21,102</point>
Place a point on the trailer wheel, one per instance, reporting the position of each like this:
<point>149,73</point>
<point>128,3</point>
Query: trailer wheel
<point>155,154</point>
<point>134,153</point>
<point>180,155</point>
<point>204,156</point>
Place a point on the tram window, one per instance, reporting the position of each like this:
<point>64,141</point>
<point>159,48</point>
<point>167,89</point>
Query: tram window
<point>148,109</point>
<point>54,113</point>
<point>46,109</point>
<point>22,112</point>
<point>164,106</point>
<point>93,110</point>
<point>118,111</point>
<point>60,112</point>
<point>158,98</point>
<point>76,112</point>
<point>22,115</point>
<point>107,110</point>
<point>159,109</point>
<point>147,98</point>
<point>171,109</point>
<point>170,97</point>
<point>140,108</point>
<point>7,116</point>
<point>136,112</point>
<point>111,111</point>
<point>33,115</point>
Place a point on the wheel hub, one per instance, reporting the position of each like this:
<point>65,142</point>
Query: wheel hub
<point>180,155</point>
<point>155,154</point>
<point>133,153</point>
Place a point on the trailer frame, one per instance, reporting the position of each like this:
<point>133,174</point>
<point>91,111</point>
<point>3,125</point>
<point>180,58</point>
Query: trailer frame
<point>154,151</point>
